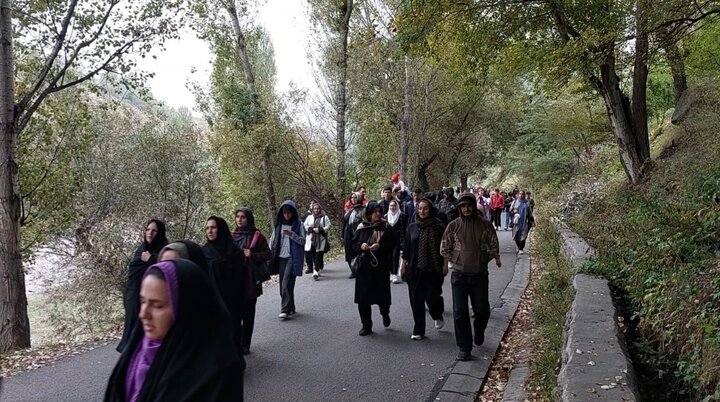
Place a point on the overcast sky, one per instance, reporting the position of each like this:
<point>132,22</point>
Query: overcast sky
<point>285,20</point>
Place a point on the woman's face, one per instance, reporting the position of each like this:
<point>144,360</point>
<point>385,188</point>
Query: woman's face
<point>316,209</point>
<point>287,214</point>
<point>376,215</point>
<point>423,210</point>
<point>393,206</point>
<point>240,219</point>
<point>522,195</point>
<point>151,232</point>
<point>211,230</point>
<point>156,312</point>
<point>353,199</point>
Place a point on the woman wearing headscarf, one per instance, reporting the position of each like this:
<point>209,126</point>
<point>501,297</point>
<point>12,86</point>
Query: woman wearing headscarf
<point>254,246</point>
<point>184,350</point>
<point>226,267</point>
<point>317,227</point>
<point>525,220</point>
<point>287,246</point>
<point>351,220</point>
<point>374,242</point>
<point>154,239</point>
<point>185,249</point>
<point>423,267</point>
<point>396,219</point>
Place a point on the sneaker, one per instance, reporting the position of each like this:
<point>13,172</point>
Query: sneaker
<point>439,323</point>
<point>393,278</point>
<point>283,316</point>
<point>463,356</point>
<point>416,337</point>
<point>316,275</point>
<point>365,331</point>
<point>308,271</point>
<point>505,228</point>
<point>352,276</point>
<point>397,280</point>
<point>386,320</point>
<point>521,252</point>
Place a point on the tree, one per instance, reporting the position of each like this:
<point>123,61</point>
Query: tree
<point>65,45</point>
<point>601,42</point>
<point>334,16</point>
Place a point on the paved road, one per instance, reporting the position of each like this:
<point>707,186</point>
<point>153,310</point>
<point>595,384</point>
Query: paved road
<point>315,356</point>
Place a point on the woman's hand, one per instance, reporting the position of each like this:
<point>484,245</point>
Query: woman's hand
<point>145,256</point>
<point>375,247</point>
<point>247,252</point>
<point>364,247</point>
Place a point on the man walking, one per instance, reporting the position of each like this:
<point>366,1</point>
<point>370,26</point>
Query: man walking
<point>468,245</point>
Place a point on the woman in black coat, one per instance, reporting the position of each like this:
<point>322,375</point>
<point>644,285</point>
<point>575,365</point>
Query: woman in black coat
<point>423,267</point>
<point>254,246</point>
<point>154,239</point>
<point>184,349</point>
<point>226,267</point>
<point>373,242</point>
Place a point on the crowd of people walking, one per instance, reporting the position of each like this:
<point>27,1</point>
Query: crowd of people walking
<point>190,309</point>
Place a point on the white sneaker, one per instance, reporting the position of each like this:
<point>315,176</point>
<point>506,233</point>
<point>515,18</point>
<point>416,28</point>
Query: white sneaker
<point>439,323</point>
<point>416,337</point>
<point>316,275</point>
<point>521,252</point>
<point>396,279</point>
<point>393,278</point>
<point>283,316</point>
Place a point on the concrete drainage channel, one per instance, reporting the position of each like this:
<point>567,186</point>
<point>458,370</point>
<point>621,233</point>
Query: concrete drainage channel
<point>595,363</point>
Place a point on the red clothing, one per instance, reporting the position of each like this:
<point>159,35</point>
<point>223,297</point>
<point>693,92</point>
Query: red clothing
<point>497,201</point>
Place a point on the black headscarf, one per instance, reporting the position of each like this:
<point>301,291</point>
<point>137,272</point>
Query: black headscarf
<point>223,245</point>
<point>243,236</point>
<point>160,239</point>
<point>197,359</point>
<point>430,232</point>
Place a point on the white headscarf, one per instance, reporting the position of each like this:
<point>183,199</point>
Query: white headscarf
<point>392,218</point>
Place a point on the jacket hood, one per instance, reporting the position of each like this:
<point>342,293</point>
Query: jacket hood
<point>467,198</point>
<point>293,207</point>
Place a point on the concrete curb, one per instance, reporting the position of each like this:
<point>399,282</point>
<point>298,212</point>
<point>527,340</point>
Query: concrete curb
<point>466,378</point>
<point>595,365</point>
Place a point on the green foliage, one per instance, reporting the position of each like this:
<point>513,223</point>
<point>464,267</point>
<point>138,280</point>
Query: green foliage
<point>703,59</point>
<point>660,244</point>
<point>554,295</point>
<point>57,138</point>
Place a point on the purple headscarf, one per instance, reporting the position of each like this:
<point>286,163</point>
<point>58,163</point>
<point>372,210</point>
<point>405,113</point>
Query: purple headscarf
<point>147,349</point>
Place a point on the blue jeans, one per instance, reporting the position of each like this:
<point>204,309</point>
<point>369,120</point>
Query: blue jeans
<point>508,219</point>
<point>474,288</point>
<point>287,285</point>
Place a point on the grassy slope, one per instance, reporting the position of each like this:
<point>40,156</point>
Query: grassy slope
<point>659,243</point>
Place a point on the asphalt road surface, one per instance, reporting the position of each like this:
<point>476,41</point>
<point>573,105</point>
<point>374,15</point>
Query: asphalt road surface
<point>315,356</point>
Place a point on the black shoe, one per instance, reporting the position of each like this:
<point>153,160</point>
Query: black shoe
<point>245,351</point>
<point>386,320</point>
<point>463,356</point>
<point>479,339</point>
<point>365,331</point>
<point>308,271</point>
<point>352,276</point>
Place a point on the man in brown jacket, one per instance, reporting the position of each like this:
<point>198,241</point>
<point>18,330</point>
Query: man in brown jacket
<point>468,245</point>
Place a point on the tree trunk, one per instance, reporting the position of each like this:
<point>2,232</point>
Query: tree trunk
<point>14,323</point>
<point>408,117</point>
<point>268,185</point>
<point>677,68</point>
<point>632,154</point>
<point>266,160</point>
<point>639,114</point>
<point>345,10</point>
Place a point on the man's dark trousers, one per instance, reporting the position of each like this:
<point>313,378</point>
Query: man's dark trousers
<point>474,287</point>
